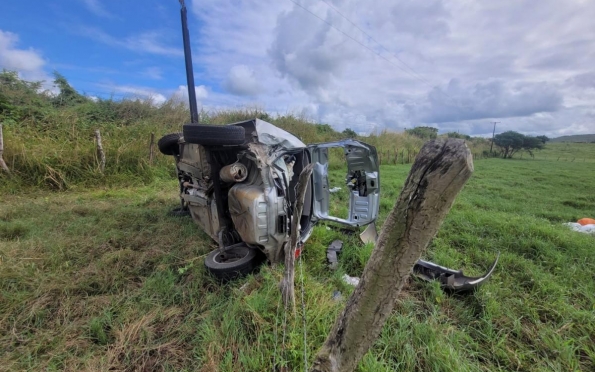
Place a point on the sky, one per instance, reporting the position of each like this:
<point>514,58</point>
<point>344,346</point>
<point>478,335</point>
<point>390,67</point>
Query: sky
<point>457,65</point>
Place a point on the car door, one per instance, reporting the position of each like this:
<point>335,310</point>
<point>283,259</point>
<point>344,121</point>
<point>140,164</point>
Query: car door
<point>362,182</point>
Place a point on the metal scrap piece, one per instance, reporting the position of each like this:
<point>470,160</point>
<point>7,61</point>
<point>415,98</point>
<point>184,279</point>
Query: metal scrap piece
<point>452,280</point>
<point>331,254</point>
<point>369,235</point>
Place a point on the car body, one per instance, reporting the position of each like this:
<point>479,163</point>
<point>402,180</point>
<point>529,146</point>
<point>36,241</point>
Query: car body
<point>256,178</point>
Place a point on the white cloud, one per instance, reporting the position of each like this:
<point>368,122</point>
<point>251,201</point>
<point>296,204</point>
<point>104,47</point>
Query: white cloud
<point>242,81</point>
<point>28,62</point>
<point>144,93</point>
<point>200,91</point>
<point>528,66</point>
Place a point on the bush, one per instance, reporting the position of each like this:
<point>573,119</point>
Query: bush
<point>423,132</point>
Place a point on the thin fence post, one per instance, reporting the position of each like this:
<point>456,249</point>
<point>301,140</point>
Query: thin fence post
<point>2,163</point>
<point>100,152</point>
<point>151,146</point>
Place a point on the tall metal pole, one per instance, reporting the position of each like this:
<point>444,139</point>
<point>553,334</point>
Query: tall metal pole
<point>493,134</point>
<point>189,71</point>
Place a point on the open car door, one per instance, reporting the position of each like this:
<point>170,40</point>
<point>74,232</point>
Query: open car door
<point>362,181</point>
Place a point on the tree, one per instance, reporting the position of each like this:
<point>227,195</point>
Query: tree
<point>543,139</point>
<point>324,129</point>
<point>423,132</point>
<point>349,133</point>
<point>20,99</point>
<point>510,142</point>
<point>532,143</point>
<point>68,96</point>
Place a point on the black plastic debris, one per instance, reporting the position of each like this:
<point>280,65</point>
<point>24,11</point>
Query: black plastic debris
<point>449,279</point>
<point>332,254</point>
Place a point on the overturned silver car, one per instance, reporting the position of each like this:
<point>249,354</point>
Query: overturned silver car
<point>238,183</point>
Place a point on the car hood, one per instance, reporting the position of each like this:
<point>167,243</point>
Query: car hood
<point>270,135</point>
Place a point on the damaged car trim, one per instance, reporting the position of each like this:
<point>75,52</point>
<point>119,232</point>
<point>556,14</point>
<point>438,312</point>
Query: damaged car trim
<point>453,280</point>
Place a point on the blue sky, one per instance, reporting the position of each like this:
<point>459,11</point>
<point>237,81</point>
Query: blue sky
<point>393,64</point>
<point>100,46</point>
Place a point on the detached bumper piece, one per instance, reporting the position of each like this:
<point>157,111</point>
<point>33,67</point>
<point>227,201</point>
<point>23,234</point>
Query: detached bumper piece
<point>450,280</point>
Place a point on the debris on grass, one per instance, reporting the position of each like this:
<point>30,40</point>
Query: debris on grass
<point>575,226</point>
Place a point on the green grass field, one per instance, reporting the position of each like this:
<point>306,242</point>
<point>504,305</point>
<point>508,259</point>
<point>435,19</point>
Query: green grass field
<point>104,279</point>
<point>565,152</point>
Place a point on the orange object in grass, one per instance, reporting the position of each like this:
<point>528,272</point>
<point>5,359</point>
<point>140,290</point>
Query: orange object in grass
<point>586,221</point>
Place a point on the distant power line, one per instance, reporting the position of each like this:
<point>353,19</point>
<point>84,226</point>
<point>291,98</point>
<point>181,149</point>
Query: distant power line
<point>360,43</point>
<point>377,42</point>
<point>411,72</point>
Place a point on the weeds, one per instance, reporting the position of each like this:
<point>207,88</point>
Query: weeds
<point>103,279</point>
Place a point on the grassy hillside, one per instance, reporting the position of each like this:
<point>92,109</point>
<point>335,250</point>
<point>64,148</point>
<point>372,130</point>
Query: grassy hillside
<point>49,139</point>
<point>103,278</point>
<point>589,138</point>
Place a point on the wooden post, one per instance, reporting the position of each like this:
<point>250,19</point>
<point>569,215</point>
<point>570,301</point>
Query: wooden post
<point>287,284</point>
<point>438,174</point>
<point>2,163</point>
<point>151,148</point>
<point>100,153</point>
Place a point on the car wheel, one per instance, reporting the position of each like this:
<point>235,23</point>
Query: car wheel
<point>233,262</point>
<point>168,144</point>
<point>214,135</point>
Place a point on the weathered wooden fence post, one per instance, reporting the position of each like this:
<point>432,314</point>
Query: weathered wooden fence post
<point>2,163</point>
<point>151,148</point>
<point>100,152</point>
<point>287,284</point>
<point>441,169</point>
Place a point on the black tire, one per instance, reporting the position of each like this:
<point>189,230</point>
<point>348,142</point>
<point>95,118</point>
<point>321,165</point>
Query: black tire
<point>179,212</point>
<point>214,135</point>
<point>168,144</point>
<point>234,262</point>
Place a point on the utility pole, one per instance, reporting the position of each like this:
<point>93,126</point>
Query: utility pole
<point>189,70</point>
<point>493,133</point>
